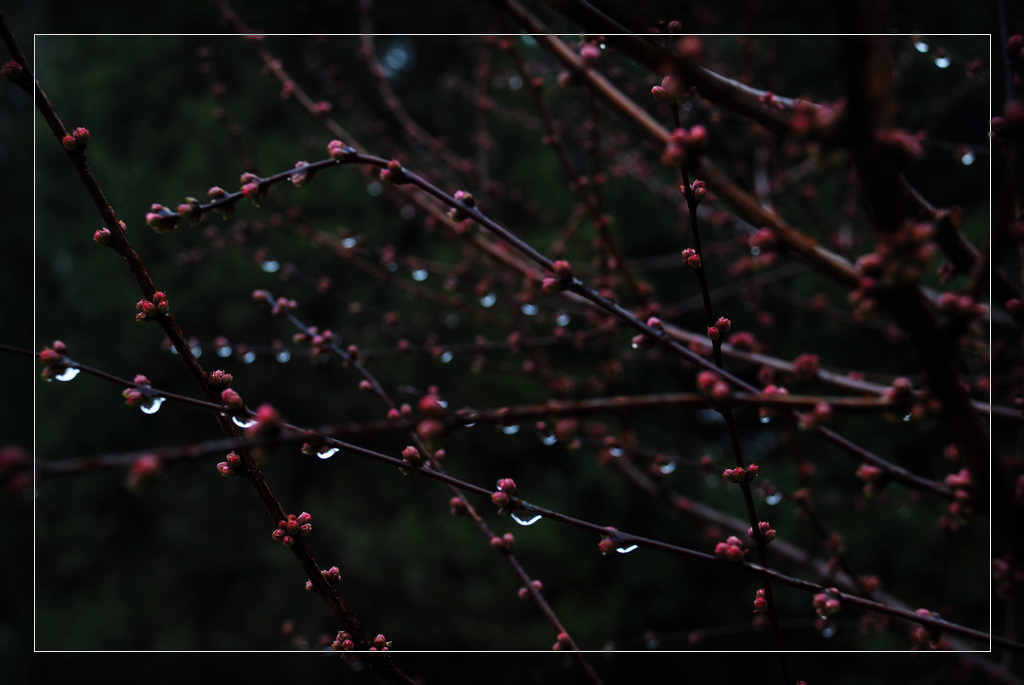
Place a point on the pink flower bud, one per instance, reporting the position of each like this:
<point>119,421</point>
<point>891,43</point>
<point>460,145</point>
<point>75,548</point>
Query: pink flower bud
<point>231,398</point>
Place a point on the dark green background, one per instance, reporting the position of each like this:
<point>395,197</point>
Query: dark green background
<point>186,562</point>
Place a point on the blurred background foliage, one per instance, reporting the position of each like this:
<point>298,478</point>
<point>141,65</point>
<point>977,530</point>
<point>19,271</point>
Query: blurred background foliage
<point>184,561</point>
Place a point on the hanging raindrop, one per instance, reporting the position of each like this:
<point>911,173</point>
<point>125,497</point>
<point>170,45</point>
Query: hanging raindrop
<point>766,419</point>
<point>242,423</point>
<point>488,300</point>
<point>549,439</point>
<point>249,357</point>
<point>197,351</point>
<point>773,499</point>
<point>942,62</point>
<point>967,158</point>
<point>529,309</point>
<point>327,452</point>
<point>68,374</point>
<point>270,266</point>
<point>510,430</point>
<point>283,357</point>
<point>626,550</point>
<point>446,357</point>
<point>349,242</point>
<point>420,275</point>
<point>224,351</point>
<point>523,520</point>
<point>828,631</point>
<point>668,468</point>
<point>562,320</point>
<point>153,406</point>
<point>921,46</point>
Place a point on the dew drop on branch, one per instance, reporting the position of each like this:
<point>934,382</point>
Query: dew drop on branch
<point>529,309</point>
<point>773,499</point>
<point>68,374</point>
<point>488,300</point>
<point>525,520</point>
<point>549,439</point>
<point>967,158</point>
<point>510,430</point>
<point>224,351</point>
<point>766,419</point>
<point>249,357</point>
<point>270,266</point>
<point>420,275</point>
<point>243,423</point>
<point>626,550</point>
<point>921,46</point>
<point>668,468</point>
<point>447,356</point>
<point>197,351</point>
<point>942,62</point>
<point>562,320</point>
<point>283,357</point>
<point>349,242</point>
<point>153,406</point>
<point>327,452</point>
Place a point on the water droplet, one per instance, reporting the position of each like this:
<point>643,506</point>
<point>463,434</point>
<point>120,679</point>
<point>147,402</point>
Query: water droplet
<point>270,266</point>
<point>68,374</point>
<point>667,468</point>
<point>634,345</point>
<point>283,357</point>
<point>374,188</point>
<point>153,406</point>
<point>921,46</point>
<point>773,499</point>
<point>488,300</point>
<point>172,349</point>
<point>249,357</point>
<point>396,58</point>
<point>942,62</point>
<point>420,275</point>
<point>528,309</point>
<point>510,430</point>
<point>349,242</point>
<point>469,425</point>
<point>525,519</point>
<point>327,452</point>
<point>967,158</point>
<point>828,631</point>
<point>563,320</point>
<point>906,418</point>
<point>197,351</point>
<point>529,40</point>
<point>447,357</point>
<point>766,419</point>
<point>755,251</point>
<point>602,46</point>
<point>224,351</point>
<point>615,451</point>
<point>549,440</point>
<point>242,423</point>
<point>443,404</point>
<point>626,550</point>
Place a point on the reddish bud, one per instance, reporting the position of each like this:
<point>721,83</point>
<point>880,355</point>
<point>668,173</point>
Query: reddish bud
<point>231,398</point>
